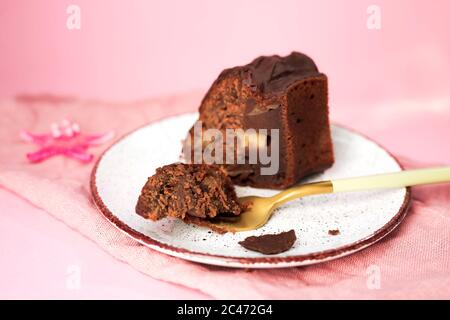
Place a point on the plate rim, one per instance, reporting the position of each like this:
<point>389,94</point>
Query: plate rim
<point>247,262</point>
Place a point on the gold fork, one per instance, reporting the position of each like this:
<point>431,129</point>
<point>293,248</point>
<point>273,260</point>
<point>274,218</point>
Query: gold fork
<point>260,209</point>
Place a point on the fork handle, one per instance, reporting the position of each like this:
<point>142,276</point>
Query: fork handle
<point>379,181</point>
<point>400,179</point>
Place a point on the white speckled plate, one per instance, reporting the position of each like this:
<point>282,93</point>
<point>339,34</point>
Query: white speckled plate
<point>362,218</point>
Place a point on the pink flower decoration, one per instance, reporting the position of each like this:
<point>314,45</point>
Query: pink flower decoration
<point>64,139</point>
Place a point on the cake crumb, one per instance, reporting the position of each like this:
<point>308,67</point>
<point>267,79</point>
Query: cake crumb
<point>334,232</point>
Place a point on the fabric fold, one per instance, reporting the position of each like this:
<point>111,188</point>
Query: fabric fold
<point>413,261</point>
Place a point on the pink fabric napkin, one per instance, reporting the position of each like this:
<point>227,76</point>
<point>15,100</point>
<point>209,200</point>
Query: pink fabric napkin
<point>412,262</point>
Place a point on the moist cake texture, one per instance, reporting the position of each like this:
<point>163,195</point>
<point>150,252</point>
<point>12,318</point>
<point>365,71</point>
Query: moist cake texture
<point>191,192</point>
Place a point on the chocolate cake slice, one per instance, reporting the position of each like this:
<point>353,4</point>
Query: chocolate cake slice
<point>272,92</point>
<point>192,192</point>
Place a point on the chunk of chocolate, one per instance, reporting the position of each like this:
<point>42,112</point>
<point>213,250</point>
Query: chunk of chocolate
<point>270,243</point>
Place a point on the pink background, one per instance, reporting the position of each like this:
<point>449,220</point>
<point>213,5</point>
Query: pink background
<point>134,49</point>
<point>130,50</point>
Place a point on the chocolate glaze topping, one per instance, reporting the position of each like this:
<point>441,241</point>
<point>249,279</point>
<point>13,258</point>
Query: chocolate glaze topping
<point>271,74</point>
